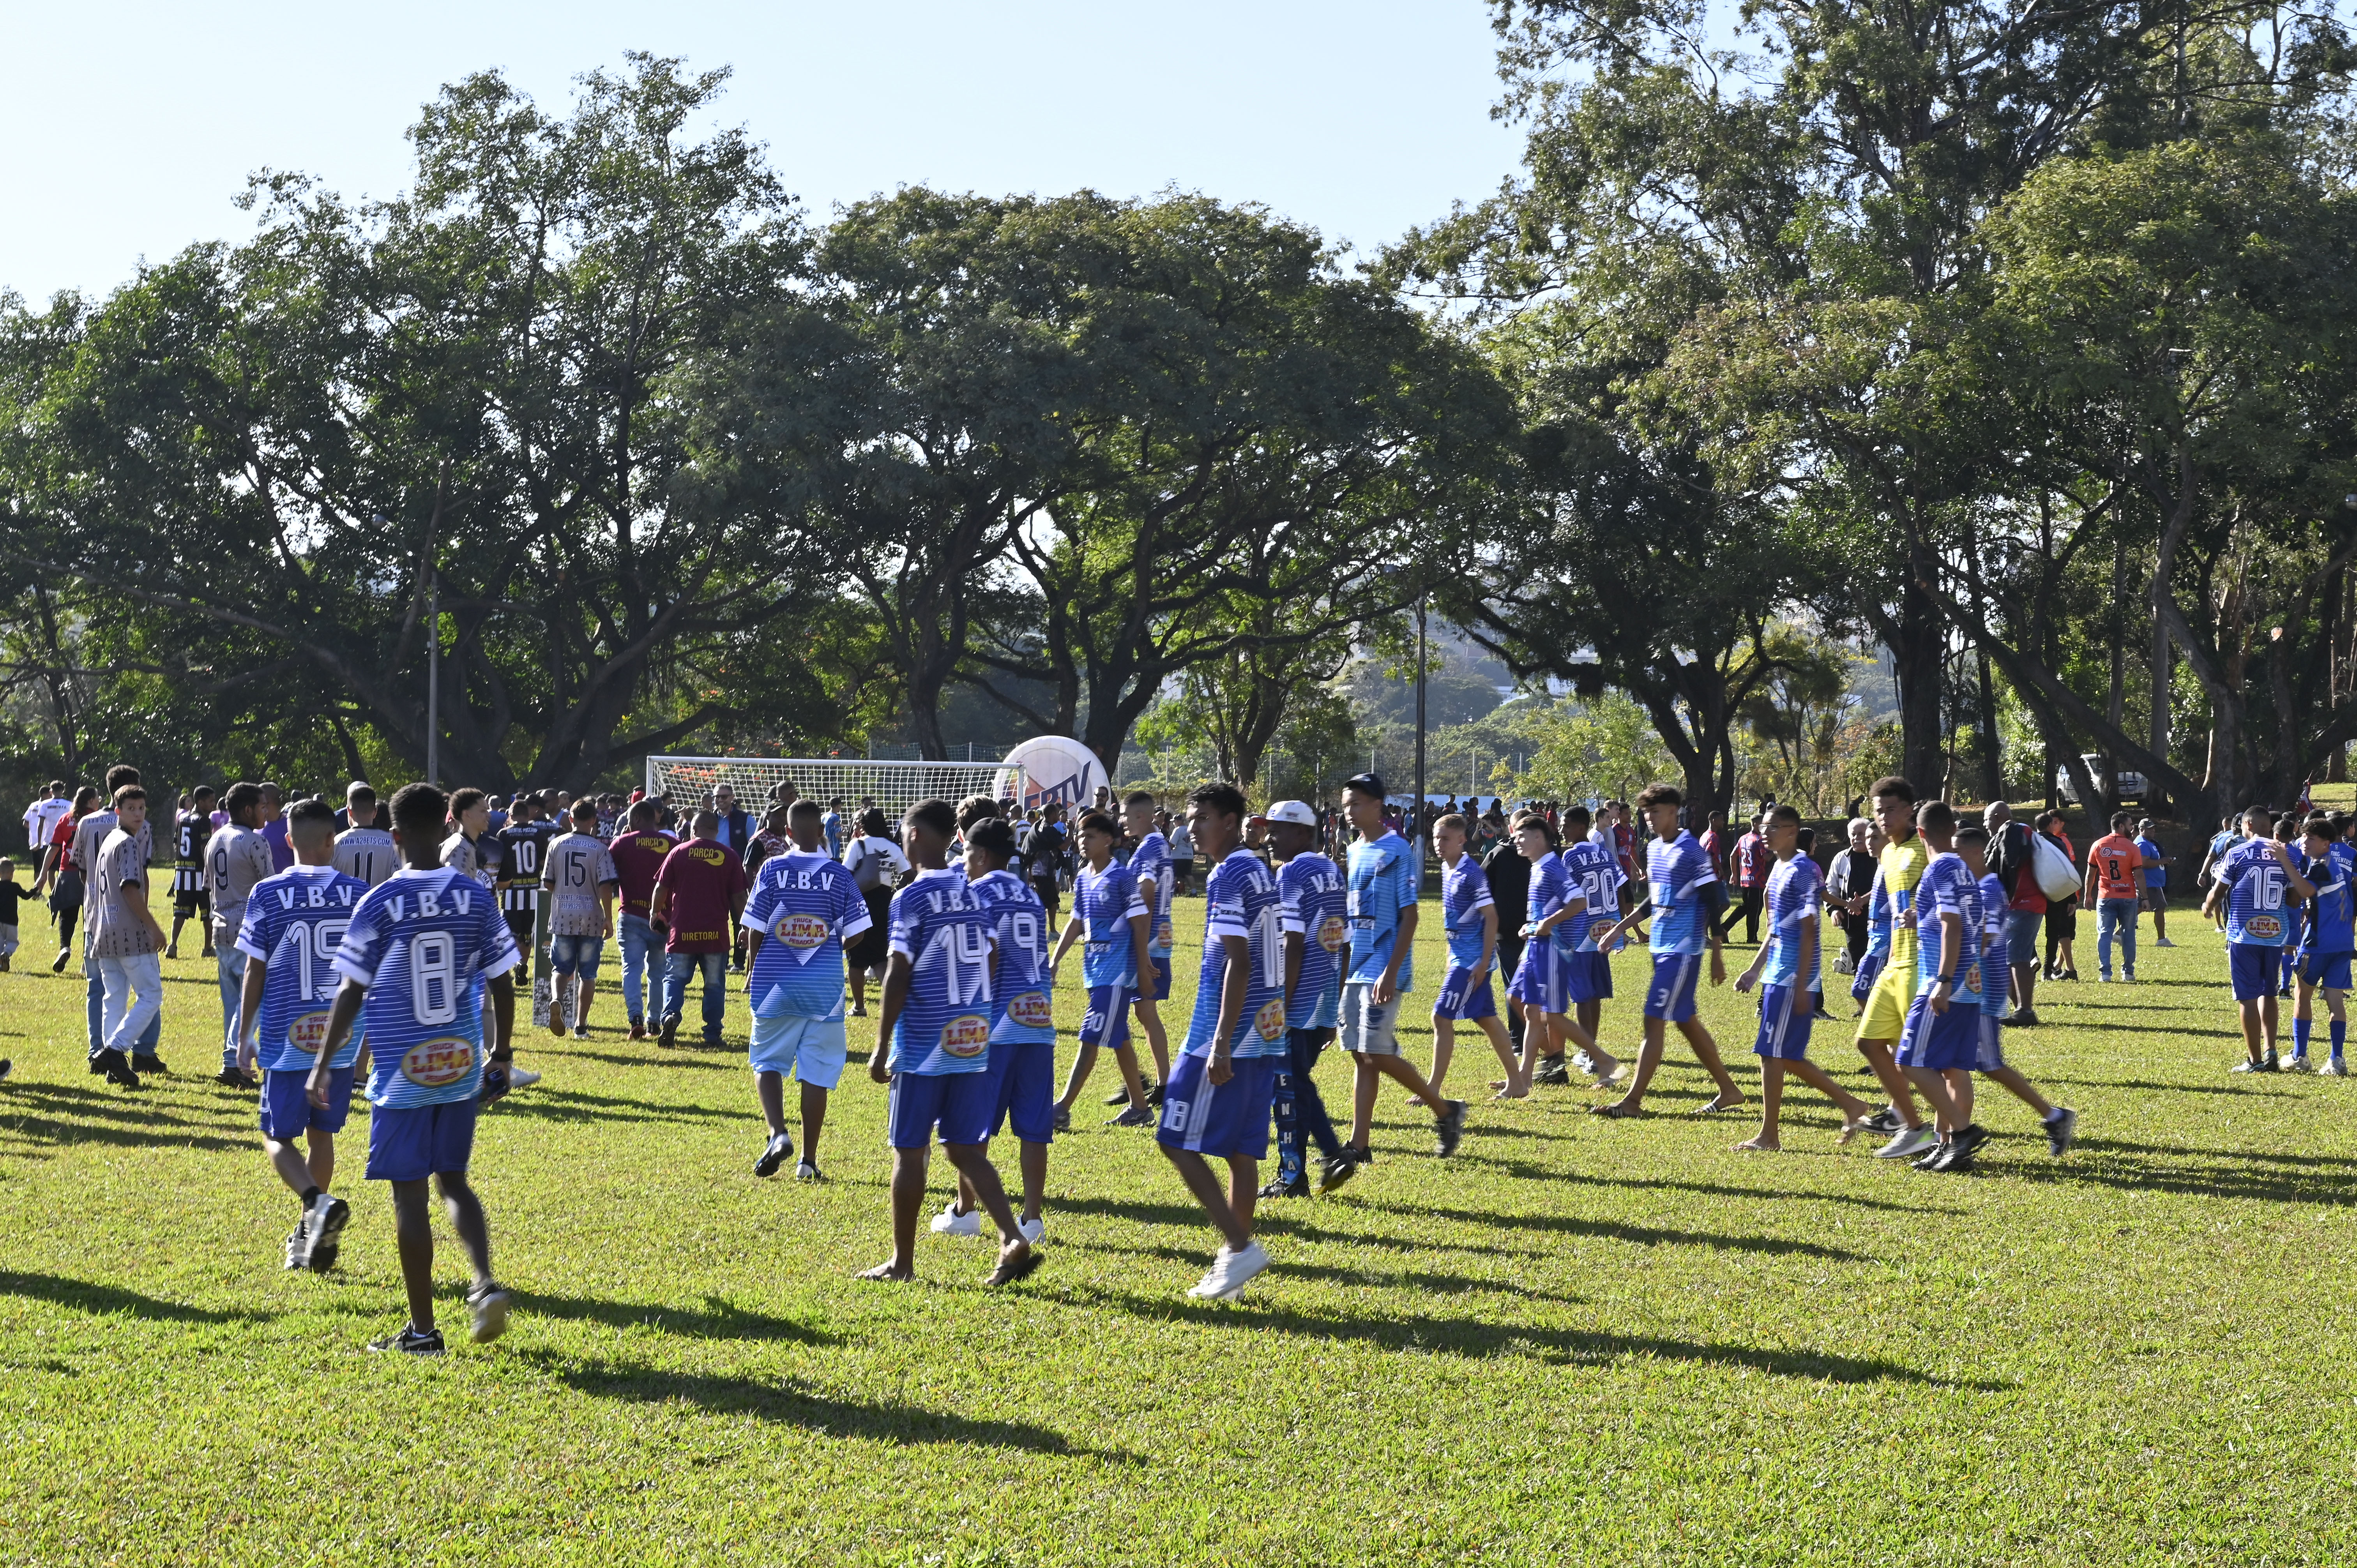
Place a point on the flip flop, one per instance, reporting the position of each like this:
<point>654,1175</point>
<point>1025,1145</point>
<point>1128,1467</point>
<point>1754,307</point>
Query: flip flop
<point>1022,1268</point>
<point>1714,1107</point>
<point>1615,1111</point>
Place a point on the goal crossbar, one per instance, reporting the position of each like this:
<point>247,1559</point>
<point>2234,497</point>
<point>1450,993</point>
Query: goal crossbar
<point>891,787</point>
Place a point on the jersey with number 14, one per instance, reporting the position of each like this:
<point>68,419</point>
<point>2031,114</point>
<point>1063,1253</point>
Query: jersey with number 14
<point>295,925</point>
<point>1240,899</point>
<point>941,926</point>
<point>424,942</point>
<point>2255,889</point>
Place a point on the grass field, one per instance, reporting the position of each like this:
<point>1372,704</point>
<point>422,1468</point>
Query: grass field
<point>1577,1341</point>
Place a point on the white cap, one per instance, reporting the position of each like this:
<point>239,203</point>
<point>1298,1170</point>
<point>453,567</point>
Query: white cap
<point>1292,812</point>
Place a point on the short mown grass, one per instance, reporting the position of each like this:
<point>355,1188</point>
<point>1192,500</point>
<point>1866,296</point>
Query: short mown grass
<point>1579,1340</point>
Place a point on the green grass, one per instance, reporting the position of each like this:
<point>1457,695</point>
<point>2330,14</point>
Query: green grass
<point>1579,1340</point>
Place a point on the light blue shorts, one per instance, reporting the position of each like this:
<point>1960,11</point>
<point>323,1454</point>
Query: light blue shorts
<point>811,1050</point>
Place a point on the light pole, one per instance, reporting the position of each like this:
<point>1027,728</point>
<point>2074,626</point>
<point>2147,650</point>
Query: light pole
<point>1416,828</point>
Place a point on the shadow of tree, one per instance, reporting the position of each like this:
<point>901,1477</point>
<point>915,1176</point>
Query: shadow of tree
<point>107,1301</point>
<point>716,1319</point>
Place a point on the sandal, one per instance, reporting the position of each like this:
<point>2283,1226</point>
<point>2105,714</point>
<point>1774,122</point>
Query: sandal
<point>1615,1111</point>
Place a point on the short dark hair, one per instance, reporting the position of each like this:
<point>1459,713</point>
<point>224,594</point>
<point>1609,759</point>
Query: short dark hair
<point>1781,811</point>
<point>1936,817</point>
<point>872,822</point>
<point>705,822</point>
<point>1533,820</point>
<point>585,809</point>
<point>2320,824</point>
<point>130,792</point>
<point>241,798</point>
<point>936,814</point>
<point>313,813</point>
<point>1139,798</point>
<point>647,809</point>
<point>1228,801</point>
<point>1575,814</point>
<point>803,806</point>
<point>119,775</point>
<point>417,808</point>
<point>361,793</point>
<point>463,800</point>
<point>1807,838</point>
<point>201,792</point>
<point>1101,823</point>
<point>1972,832</point>
<point>992,837</point>
<point>1655,795</point>
<point>2122,822</point>
<point>1892,784</point>
<point>975,808</point>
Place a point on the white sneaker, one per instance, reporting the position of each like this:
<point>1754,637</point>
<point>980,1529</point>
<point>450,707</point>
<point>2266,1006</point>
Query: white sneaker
<point>1236,1270</point>
<point>491,1313</point>
<point>1032,1230</point>
<point>2162,942</point>
<point>521,1077</point>
<point>2334,1067</point>
<point>1583,1062</point>
<point>950,1223</point>
<point>1908,1142</point>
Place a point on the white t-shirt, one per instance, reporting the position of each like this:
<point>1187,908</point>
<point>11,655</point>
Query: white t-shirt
<point>890,864</point>
<point>41,819</point>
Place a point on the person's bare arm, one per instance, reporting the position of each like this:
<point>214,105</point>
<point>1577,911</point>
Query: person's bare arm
<point>1402,943</point>
<point>249,1013</point>
<point>1234,985</point>
<point>1805,1001</point>
<point>340,1015</point>
<point>1952,939</point>
<point>897,975</point>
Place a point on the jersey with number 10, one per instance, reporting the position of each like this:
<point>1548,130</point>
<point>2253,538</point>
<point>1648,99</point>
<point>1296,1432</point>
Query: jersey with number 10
<point>295,925</point>
<point>424,942</point>
<point>2255,889</point>
<point>1241,900</point>
<point>1022,1012</point>
<point>941,926</point>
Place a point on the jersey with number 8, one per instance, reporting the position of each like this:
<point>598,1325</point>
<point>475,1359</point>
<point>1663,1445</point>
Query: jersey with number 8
<point>295,924</point>
<point>1241,900</point>
<point>424,942</point>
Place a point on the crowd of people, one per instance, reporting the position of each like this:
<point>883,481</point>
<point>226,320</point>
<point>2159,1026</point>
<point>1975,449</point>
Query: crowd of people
<point>380,947</point>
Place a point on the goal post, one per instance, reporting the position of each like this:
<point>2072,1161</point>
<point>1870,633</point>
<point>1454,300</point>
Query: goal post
<point>894,786</point>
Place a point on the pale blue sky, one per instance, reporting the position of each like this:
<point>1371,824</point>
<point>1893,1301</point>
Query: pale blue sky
<point>129,127</point>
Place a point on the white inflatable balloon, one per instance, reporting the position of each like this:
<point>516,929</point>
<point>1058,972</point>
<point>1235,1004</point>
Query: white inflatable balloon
<point>1055,767</point>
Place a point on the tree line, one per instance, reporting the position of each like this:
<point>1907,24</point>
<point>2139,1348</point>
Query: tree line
<point>2012,338</point>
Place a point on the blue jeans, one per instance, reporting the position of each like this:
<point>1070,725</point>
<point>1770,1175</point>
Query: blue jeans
<point>639,943</point>
<point>2115,915</point>
<point>678,968</point>
<point>147,1037</point>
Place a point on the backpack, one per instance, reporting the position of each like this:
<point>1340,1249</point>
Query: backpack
<point>2057,878</point>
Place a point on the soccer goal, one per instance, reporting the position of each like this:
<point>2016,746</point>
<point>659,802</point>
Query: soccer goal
<point>891,787</point>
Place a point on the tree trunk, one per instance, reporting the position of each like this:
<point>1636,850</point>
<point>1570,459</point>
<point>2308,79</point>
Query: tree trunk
<point>2116,709</point>
<point>1992,753</point>
<point>1920,653</point>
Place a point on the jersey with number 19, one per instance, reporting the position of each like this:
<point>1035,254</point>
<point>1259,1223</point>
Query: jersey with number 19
<point>295,924</point>
<point>1022,1011</point>
<point>424,942</point>
<point>1240,899</point>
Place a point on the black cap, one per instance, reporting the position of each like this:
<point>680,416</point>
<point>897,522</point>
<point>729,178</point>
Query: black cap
<point>1366,784</point>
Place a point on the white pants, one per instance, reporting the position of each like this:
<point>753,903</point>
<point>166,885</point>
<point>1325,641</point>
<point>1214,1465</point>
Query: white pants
<point>135,995</point>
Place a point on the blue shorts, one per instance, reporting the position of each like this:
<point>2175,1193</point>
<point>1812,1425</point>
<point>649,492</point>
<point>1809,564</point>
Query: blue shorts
<point>1023,1089</point>
<point>1991,1055</point>
<point>1457,1000</point>
<point>1671,995</point>
<point>412,1142</point>
<point>1869,970</point>
<point>1588,976</point>
<point>569,955</point>
<point>1941,1042</point>
<point>1539,979</point>
<point>1783,1034</point>
<point>286,1110</point>
<point>1160,990</point>
<point>2325,971</point>
<point>2252,969</point>
<point>813,1049</point>
<point>1224,1121</point>
<point>959,1104</point>
<point>1106,1023</point>
<point>2021,929</point>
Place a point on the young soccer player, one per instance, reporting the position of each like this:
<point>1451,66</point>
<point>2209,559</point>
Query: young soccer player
<point>1310,901</point>
<point>365,850</point>
<point>191,829</point>
<point>1558,935</point>
<point>125,941</point>
<point>1591,868</point>
<point>2114,867</point>
<point>522,844</point>
<point>1110,920</point>
<point>1149,865</point>
<point>2061,1123</point>
<point>1882,1018</point>
<point>580,878</point>
<point>417,956</point>
<point>1684,899</point>
<point>469,850</point>
<point>1472,917</point>
<point>10,892</point>
<point>1225,1077</point>
<point>1942,1033</point>
<point>2330,940</point>
<point>1022,1029</point>
<point>294,927</point>
<point>803,908</point>
<point>237,859</point>
<point>932,1045</point>
<point>2254,881</point>
<point>1789,960</point>
<point>1385,879</point>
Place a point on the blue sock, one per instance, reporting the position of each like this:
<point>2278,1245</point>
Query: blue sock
<point>2340,1036</point>
<point>2300,1036</point>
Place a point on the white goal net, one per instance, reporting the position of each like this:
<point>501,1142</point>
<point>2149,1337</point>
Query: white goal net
<point>891,787</point>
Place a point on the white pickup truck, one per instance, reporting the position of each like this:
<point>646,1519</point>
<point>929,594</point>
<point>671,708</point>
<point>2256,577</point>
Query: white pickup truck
<point>2132,785</point>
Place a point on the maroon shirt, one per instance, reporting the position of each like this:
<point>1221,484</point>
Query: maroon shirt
<point>638,857</point>
<point>706,878</point>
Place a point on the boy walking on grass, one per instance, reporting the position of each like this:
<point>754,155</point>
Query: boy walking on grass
<point>2061,1123</point>
<point>125,940</point>
<point>1788,960</point>
<point>804,906</point>
<point>2257,885</point>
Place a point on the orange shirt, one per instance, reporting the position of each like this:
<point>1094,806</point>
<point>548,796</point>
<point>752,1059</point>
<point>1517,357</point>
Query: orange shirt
<point>2116,861</point>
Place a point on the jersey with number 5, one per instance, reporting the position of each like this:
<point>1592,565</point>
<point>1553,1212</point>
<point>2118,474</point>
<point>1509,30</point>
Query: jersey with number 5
<point>424,942</point>
<point>2255,890</point>
<point>1241,900</point>
<point>295,924</point>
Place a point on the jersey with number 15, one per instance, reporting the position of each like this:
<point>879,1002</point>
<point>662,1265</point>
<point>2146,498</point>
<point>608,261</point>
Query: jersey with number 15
<point>295,924</point>
<point>424,942</point>
<point>1241,900</point>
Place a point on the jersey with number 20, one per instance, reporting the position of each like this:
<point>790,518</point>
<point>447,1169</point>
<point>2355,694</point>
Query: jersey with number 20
<point>295,925</point>
<point>1241,900</point>
<point>424,942</point>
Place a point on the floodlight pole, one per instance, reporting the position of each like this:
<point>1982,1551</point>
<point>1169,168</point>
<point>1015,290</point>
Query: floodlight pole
<point>1415,822</point>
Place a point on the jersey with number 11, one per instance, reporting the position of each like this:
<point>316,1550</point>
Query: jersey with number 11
<point>295,925</point>
<point>1241,900</point>
<point>424,942</point>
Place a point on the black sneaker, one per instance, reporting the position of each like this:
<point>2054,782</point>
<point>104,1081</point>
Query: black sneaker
<point>6,1067</point>
<point>410,1342</point>
<point>1450,1126</point>
<point>1339,1169</point>
<point>779,1150</point>
<point>2060,1129</point>
<point>1118,1097</point>
<point>2025,1019</point>
<point>1154,1095</point>
<point>1971,1137</point>
<point>57,965</point>
<point>325,1227</point>
<point>234,1078</point>
<point>1133,1117</point>
<point>97,1068</point>
<point>2271,1064</point>
<point>1551,1070</point>
<point>117,1069</point>
<point>1287,1186</point>
<point>1886,1121</point>
<point>147,1061</point>
<point>1931,1158</point>
<point>1958,1163</point>
<point>667,1033</point>
<point>1063,1117</point>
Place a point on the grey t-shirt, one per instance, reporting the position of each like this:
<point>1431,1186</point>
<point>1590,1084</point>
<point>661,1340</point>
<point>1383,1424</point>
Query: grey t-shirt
<point>578,866</point>
<point>368,853</point>
<point>236,859</point>
<point>116,930</point>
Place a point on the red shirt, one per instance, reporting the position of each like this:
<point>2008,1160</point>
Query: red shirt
<point>1751,859</point>
<point>638,857</point>
<point>2116,861</point>
<point>704,880</point>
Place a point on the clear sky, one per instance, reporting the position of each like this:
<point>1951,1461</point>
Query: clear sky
<point>129,127</point>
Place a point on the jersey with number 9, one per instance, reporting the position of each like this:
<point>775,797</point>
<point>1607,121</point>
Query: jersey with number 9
<point>295,924</point>
<point>424,942</point>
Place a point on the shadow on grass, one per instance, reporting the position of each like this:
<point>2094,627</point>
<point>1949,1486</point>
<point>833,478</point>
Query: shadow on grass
<point>781,1400</point>
<point>1479,1340</point>
<point>616,1058</point>
<point>1723,1190</point>
<point>1643,1235</point>
<point>2202,1172</point>
<point>2236,1089</point>
<point>716,1319</point>
<point>142,1125</point>
<point>572,1105</point>
<point>107,1301</point>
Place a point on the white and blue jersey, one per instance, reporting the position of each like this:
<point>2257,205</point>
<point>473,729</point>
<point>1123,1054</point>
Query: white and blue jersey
<point>1795,889</point>
<point>1384,880</point>
<point>1022,1010</point>
<point>1996,947</point>
<point>1241,900</point>
<point>1464,896</point>
<point>1948,889</point>
<point>1106,902</point>
<point>806,907</point>
<point>1150,862</point>
<point>1595,872</point>
<point>1676,871</point>
<point>941,925</point>
<point>1551,889</point>
<point>2332,913</point>
<point>2256,892</point>
<point>424,942</point>
<point>1311,900</point>
<point>295,924</point>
